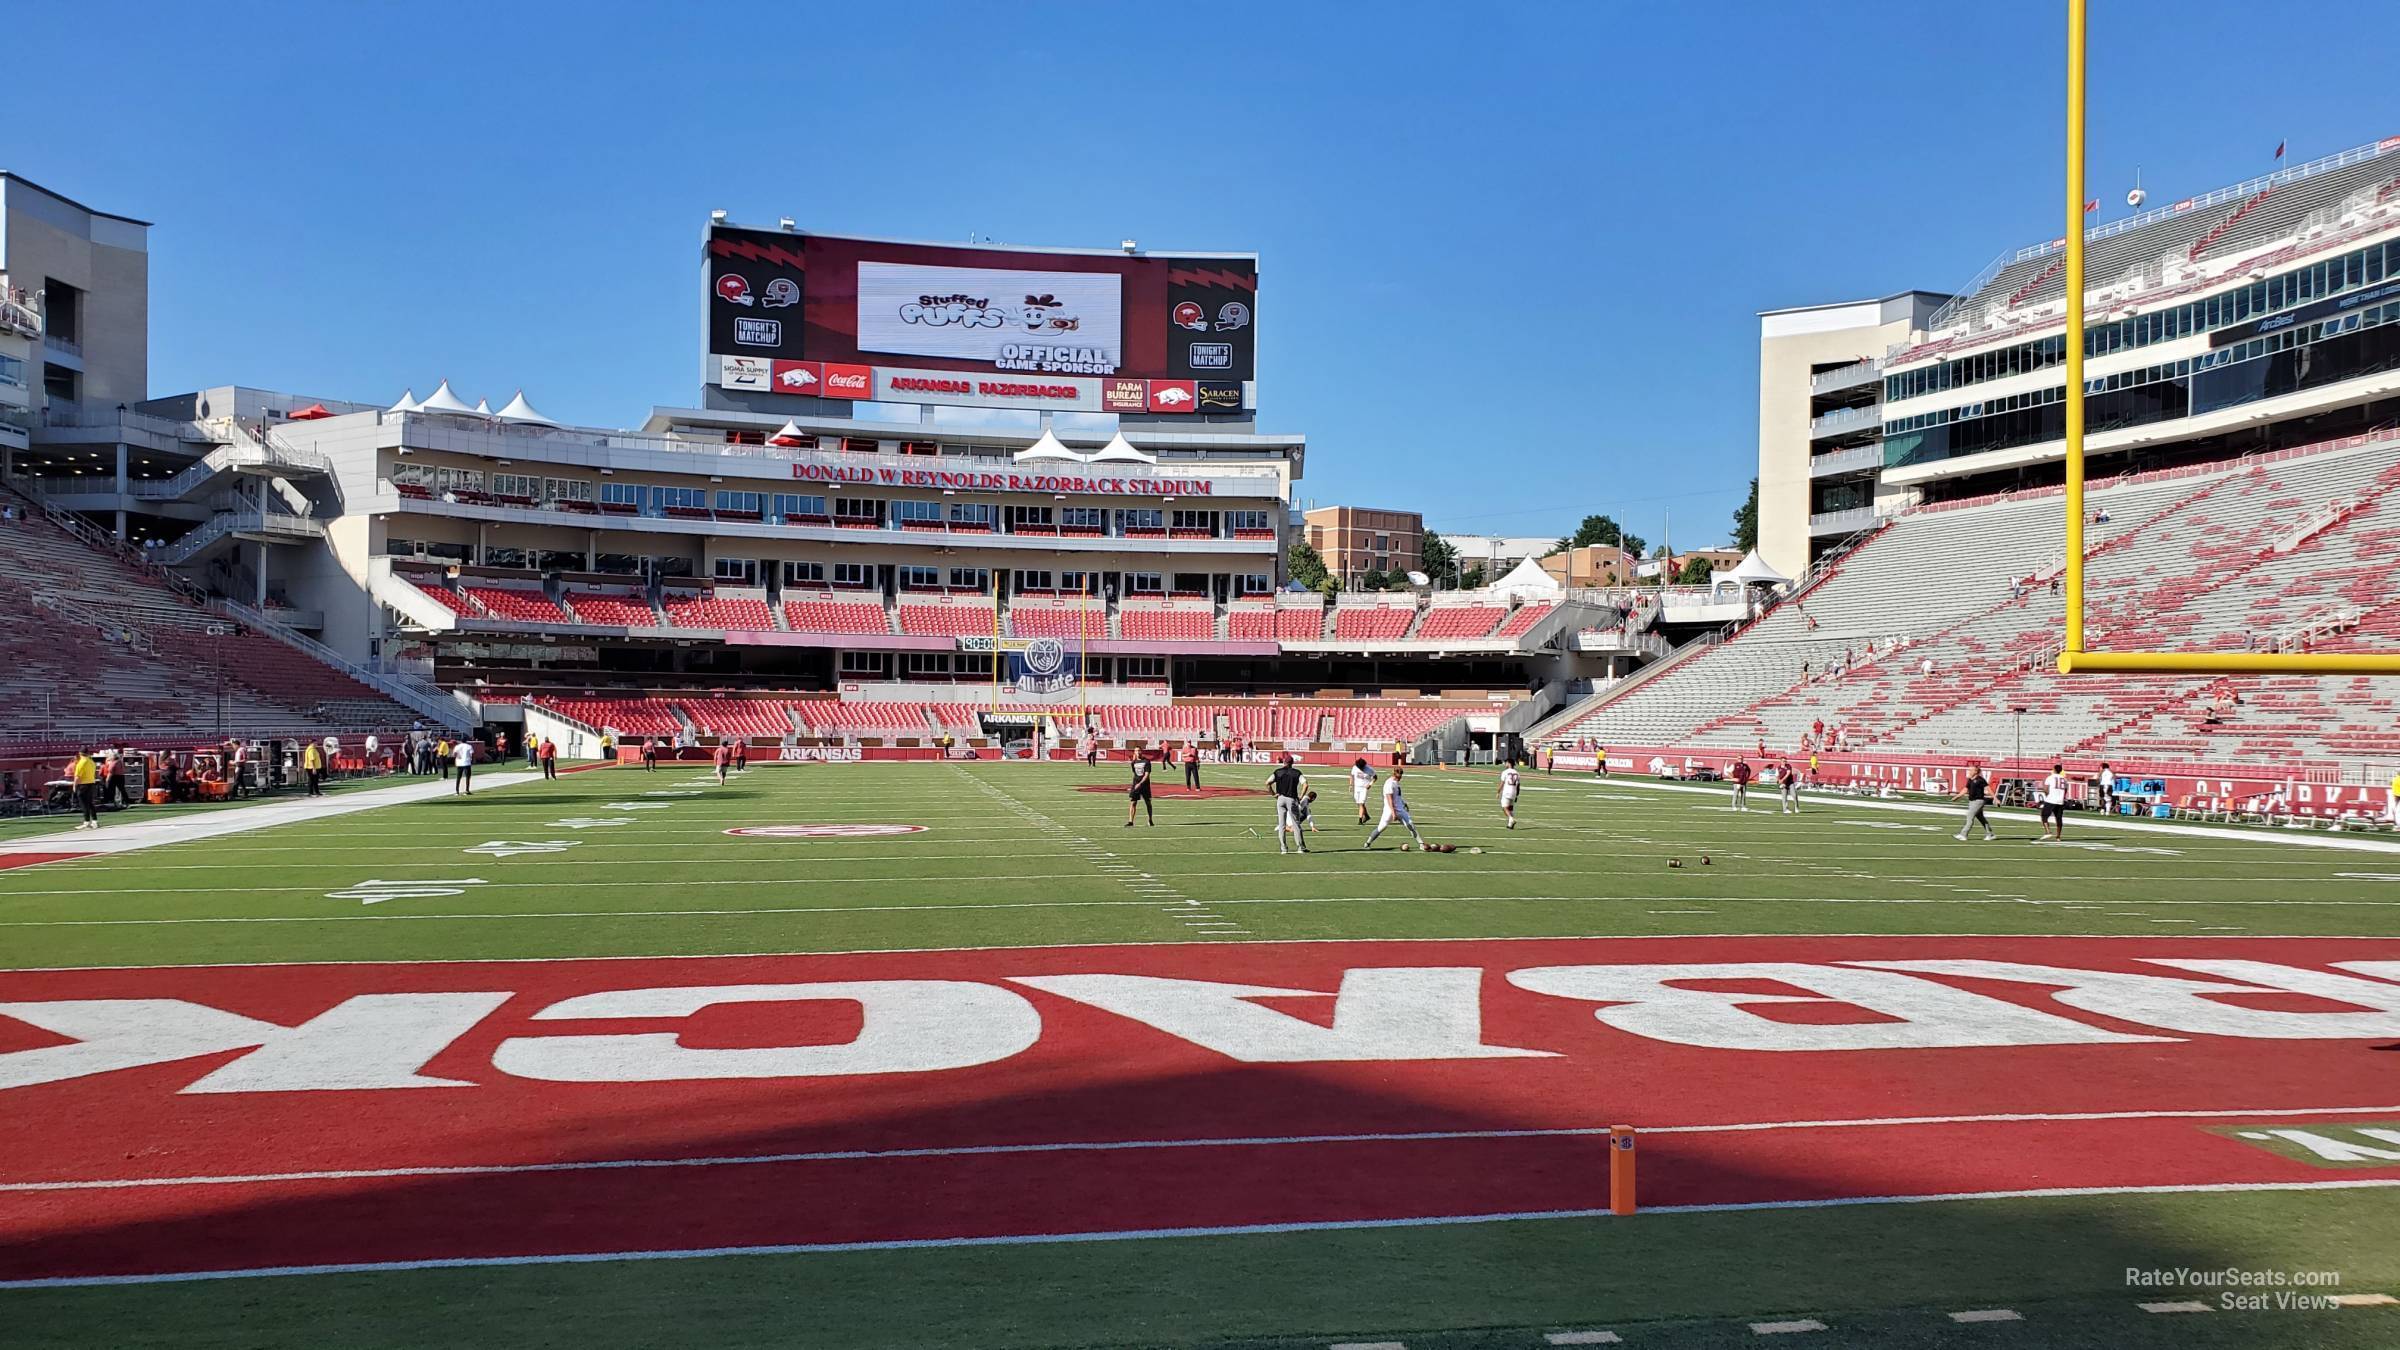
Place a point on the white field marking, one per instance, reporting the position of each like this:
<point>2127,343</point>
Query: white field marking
<point>1780,1328</point>
<point>1141,1234</point>
<point>1146,945</point>
<point>1988,1315</point>
<point>184,827</point>
<point>2308,839</point>
<point>1582,1338</point>
<point>590,822</point>
<point>532,914</point>
<point>376,892</point>
<point>1366,1345</point>
<point>2362,1300</point>
<point>1154,1145</point>
<point>2179,1306</point>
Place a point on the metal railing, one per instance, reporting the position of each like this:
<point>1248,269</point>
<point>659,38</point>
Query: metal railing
<point>1868,456</point>
<point>1853,519</point>
<point>1843,377</point>
<point>101,541</point>
<point>1844,419</point>
<point>223,523</point>
<point>432,703</point>
<point>109,626</point>
<point>2182,206</point>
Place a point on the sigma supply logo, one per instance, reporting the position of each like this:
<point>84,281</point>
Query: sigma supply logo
<point>1211,355</point>
<point>743,372</point>
<point>1220,395</point>
<point>849,381</point>
<point>734,289</point>
<point>1173,396</point>
<point>799,377</point>
<point>1125,396</point>
<point>782,293</point>
<point>758,332</point>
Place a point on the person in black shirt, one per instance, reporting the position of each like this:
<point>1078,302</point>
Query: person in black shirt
<point>1138,794</point>
<point>1977,794</point>
<point>1285,783</point>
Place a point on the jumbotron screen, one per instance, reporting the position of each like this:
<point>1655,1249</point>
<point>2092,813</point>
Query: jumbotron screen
<point>825,316</point>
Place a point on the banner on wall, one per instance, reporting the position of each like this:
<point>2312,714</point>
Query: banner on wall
<point>1043,668</point>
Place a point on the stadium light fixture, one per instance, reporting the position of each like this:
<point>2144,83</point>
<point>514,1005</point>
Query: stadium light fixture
<point>2073,657</point>
<point>717,216</point>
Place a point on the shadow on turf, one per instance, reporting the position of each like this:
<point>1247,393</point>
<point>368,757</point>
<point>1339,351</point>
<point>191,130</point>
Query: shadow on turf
<point>1256,1289</point>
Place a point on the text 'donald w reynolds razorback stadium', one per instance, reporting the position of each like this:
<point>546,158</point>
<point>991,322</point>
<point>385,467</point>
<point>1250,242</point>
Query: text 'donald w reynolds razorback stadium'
<point>936,837</point>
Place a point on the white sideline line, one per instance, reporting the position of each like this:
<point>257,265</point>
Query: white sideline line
<point>1988,1315</point>
<point>1169,942</point>
<point>2307,839</point>
<point>1147,1145</point>
<point>189,826</point>
<point>1133,1235</point>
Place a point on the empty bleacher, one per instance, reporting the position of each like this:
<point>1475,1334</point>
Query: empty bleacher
<point>932,615</point>
<point>1074,620</point>
<point>613,609</point>
<point>1167,621</point>
<point>99,648</point>
<point>517,605</point>
<point>1372,621</point>
<point>718,609</point>
<point>1932,635</point>
<point>835,612</point>
<point>1461,622</point>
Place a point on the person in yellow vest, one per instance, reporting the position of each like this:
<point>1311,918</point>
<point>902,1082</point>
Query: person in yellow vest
<point>2392,807</point>
<point>441,755</point>
<point>312,763</point>
<point>84,773</point>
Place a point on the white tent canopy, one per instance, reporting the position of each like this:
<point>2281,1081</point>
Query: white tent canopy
<point>407,403</point>
<point>519,411</point>
<point>483,407</point>
<point>1048,447</point>
<point>788,434</point>
<point>1528,581</point>
<point>1121,451</point>
<point>1753,571</point>
<point>441,400</point>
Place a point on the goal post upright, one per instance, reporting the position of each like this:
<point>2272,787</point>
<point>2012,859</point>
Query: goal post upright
<point>2073,658</point>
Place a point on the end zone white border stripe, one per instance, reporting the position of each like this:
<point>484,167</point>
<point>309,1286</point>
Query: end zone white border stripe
<point>1138,1145</point>
<point>1133,1235</point>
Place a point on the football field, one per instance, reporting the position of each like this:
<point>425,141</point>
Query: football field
<point>945,1055</point>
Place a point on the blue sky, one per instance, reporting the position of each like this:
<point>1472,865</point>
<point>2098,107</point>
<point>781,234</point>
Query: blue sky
<point>1511,254</point>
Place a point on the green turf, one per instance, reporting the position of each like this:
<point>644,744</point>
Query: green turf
<point>1018,855</point>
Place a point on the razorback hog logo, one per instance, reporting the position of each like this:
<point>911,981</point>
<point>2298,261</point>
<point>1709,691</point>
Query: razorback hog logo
<point>1408,1013</point>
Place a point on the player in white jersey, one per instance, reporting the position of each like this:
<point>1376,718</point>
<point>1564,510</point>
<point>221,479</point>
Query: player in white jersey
<point>1362,786</point>
<point>1395,808</point>
<point>1510,783</point>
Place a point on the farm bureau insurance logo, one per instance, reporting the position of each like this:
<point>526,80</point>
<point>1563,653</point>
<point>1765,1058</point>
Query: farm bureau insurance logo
<point>824,831</point>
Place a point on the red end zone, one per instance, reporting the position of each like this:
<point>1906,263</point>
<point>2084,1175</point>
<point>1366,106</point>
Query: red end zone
<point>226,1118</point>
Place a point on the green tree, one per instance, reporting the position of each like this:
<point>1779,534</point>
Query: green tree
<point>1302,563</point>
<point>1471,578</point>
<point>1374,581</point>
<point>1745,521</point>
<point>1439,560</point>
<point>1695,572</point>
<point>1602,530</point>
